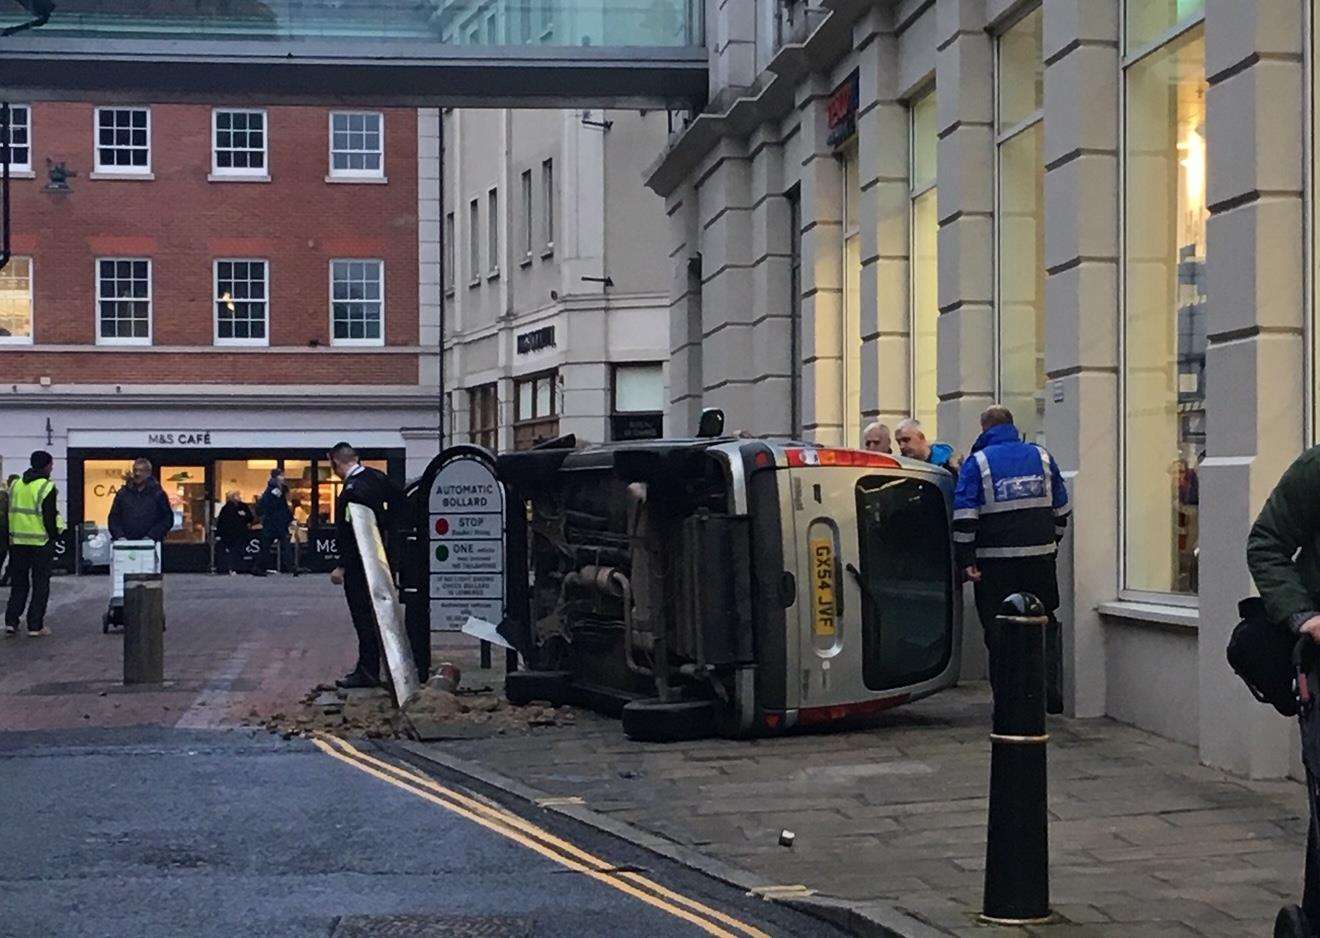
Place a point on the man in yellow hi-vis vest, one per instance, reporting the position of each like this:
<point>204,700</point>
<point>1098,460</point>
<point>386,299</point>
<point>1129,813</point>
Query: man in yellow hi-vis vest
<point>34,528</point>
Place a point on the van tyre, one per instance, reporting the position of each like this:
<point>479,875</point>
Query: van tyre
<point>651,720</point>
<point>522,687</point>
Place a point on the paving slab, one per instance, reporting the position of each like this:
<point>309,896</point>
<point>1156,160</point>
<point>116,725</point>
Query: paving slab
<point>1144,840</point>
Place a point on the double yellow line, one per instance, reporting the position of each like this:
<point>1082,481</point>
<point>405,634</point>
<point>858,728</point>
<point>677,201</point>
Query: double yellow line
<point>520,831</point>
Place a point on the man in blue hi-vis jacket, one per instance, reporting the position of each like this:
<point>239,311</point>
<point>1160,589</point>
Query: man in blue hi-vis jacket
<point>1010,510</point>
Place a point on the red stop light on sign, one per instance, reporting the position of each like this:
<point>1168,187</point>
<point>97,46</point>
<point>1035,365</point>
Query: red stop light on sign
<point>441,526</point>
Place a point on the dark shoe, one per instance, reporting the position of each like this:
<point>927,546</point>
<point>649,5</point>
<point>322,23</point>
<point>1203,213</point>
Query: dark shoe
<point>258,572</point>
<point>356,679</point>
<point>1291,923</point>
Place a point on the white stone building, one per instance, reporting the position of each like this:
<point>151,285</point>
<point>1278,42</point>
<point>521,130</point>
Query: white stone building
<point>1095,211</point>
<point>556,284</point>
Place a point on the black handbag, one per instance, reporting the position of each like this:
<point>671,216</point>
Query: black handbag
<point>1260,652</point>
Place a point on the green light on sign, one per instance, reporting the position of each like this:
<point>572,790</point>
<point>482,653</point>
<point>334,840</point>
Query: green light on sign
<point>442,553</point>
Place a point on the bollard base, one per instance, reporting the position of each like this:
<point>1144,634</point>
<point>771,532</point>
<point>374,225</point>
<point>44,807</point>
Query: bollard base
<point>1012,922</point>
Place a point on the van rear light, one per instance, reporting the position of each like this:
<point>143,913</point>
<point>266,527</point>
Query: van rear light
<point>772,720</point>
<point>816,716</point>
<point>763,460</point>
<point>799,458</point>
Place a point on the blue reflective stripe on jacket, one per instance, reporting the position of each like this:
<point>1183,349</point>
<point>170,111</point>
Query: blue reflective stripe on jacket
<point>1010,501</point>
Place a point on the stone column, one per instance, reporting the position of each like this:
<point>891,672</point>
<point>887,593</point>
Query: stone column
<point>685,350</point>
<point>822,272</point>
<point>771,279</point>
<point>1082,418</point>
<point>965,358</point>
<point>882,130</point>
<point>1255,365</point>
<point>728,313</point>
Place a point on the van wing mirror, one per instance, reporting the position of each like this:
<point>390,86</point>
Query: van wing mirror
<point>712,423</point>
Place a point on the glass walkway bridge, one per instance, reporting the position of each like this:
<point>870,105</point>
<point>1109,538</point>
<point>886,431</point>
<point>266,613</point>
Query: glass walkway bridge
<point>488,53</point>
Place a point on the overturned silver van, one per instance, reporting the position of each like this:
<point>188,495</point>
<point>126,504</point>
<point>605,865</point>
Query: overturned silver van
<point>730,586</point>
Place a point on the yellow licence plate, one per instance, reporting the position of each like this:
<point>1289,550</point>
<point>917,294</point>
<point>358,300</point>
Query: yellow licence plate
<point>823,586</point>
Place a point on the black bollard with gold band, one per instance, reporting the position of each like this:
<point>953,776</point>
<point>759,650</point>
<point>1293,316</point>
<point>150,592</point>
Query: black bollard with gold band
<point>1017,871</point>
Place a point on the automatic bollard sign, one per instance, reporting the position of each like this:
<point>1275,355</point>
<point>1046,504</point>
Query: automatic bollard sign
<point>467,544</point>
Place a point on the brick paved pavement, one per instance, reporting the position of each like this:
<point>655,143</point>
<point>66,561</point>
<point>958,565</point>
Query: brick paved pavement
<point>1144,841</point>
<point>233,644</point>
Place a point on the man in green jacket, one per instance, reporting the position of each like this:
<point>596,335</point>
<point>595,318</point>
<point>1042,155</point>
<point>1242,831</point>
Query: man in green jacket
<point>1283,554</point>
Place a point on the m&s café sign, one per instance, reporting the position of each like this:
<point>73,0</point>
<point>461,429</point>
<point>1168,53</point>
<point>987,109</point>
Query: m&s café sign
<point>841,111</point>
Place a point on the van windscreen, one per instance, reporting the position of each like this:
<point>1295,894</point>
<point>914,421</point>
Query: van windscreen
<point>906,581</point>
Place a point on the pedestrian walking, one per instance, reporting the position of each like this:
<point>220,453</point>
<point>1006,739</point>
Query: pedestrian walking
<point>1010,509</point>
<point>875,438</point>
<point>34,528</point>
<point>912,443</point>
<point>141,510</point>
<point>276,516</point>
<point>233,530</point>
<point>1283,555</point>
<point>4,529</point>
<point>377,491</point>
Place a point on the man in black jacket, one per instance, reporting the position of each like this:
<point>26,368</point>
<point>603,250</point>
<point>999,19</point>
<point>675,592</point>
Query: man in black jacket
<point>372,488</point>
<point>233,530</point>
<point>141,509</point>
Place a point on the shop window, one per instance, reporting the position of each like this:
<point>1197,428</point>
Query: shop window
<point>1020,225</point>
<point>357,144</point>
<point>185,487</point>
<point>924,301</point>
<point>123,140</point>
<point>247,477</point>
<point>240,302</point>
<point>1147,21</point>
<point>300,478</point>
<point>20,138</point>
<point>123,300</point>
<point>1164,322</point>
<point>16,302</point>
<point>102,478</point>
<point>484,416</point>
<point>638,408</point>
<point>850,385</point>
<point>357,302</point>
<point>536,410</point>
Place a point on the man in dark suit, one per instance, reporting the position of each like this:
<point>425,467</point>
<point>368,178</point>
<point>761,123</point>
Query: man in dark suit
<point>372,488</point>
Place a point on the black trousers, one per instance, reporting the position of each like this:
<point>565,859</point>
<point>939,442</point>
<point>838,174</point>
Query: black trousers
<point>358,594</point>
<point>29,570</point>
<point>1036,575</point>
<point>229,553</point>
<point>285,548</point>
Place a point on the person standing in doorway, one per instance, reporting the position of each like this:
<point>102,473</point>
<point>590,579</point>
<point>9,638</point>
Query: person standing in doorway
<point>1010,509</point>
<point>276,517</point>
<point>4,529</point>
<point>141,510</point>
<point>34,528</point>
<point>233,529</point>
<point>377,491</point>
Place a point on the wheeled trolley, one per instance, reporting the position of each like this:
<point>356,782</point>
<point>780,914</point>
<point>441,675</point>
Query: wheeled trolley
<point>127,557</point>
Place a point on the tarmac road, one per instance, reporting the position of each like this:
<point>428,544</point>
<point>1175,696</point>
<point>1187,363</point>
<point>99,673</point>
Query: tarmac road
<point>155,831</point>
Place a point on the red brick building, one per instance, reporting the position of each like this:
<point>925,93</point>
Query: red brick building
<point>223,289</point>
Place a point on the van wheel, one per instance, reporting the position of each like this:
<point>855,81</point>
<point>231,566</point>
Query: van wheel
<point>522,687</point>
<point>652,720</point>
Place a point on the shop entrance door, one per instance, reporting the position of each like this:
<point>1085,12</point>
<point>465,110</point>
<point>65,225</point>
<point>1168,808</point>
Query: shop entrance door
<point>188,541</point>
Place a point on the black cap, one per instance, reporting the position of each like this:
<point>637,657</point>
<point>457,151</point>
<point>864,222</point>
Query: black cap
<point>41,459</point>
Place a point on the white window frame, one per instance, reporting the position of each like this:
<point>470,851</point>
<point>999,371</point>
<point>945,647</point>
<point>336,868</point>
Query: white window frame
<point>130,171</point>
<point>97,299</point>
<point>241,172</point>
<point>31,337</point>
<point>21,168</point>
<point>548,198</point>
<point>353,174</point>
<point>451,252</point>
<point>1129,58</point>
<point>493,233</point>
<point>380,263</point>
<point>215,300</point>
